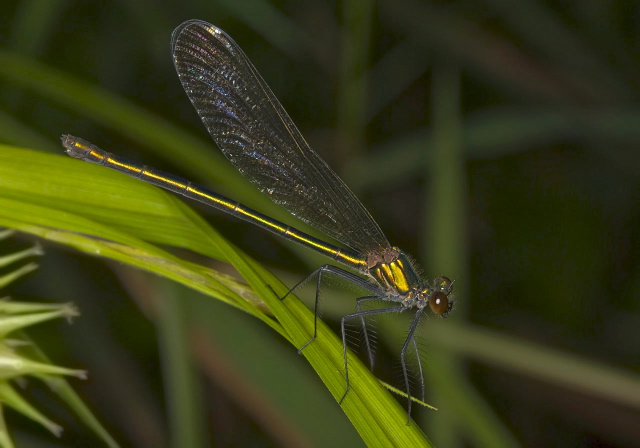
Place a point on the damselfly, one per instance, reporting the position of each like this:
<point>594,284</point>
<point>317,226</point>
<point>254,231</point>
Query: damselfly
<point>255,133</point>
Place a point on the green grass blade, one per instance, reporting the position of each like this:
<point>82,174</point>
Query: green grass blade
<point>55,198</point>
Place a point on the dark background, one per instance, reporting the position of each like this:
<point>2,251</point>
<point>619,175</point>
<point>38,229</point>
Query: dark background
<point>538,102</point>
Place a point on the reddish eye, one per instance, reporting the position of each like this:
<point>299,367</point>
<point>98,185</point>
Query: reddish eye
<point>439,302</point>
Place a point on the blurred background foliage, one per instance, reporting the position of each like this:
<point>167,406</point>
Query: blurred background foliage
<point>497,142</point>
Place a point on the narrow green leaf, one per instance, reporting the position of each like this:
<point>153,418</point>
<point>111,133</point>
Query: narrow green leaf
<point>107,214</point>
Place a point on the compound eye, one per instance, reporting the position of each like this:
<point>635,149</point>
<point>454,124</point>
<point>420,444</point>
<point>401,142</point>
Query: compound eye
<point>439,302</point>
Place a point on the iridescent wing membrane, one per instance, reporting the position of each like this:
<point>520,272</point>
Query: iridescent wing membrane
<point>256,134</point>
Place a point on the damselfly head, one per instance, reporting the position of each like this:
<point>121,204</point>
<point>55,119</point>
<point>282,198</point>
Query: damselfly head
<point>441,296</point>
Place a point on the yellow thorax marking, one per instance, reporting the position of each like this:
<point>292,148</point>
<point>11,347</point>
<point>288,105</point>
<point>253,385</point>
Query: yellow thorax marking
<point>393,275</point>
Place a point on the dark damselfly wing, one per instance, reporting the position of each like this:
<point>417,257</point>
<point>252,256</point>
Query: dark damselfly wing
<point>256,134</point>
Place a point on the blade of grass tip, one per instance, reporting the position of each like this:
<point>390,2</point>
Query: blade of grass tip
<point>74,401</point>
<point>32,251</point>
<point>15,274</point>
<point>12,398</point>
<point>61,387</point>
<point>404,394</point>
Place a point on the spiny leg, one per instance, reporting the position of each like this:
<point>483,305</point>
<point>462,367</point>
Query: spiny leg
<point>370,350</point>
<point>360,314</point>
<point>316,308</point>
<point>338,272</point>
<point>415,346</point>
<point>403,353</point>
